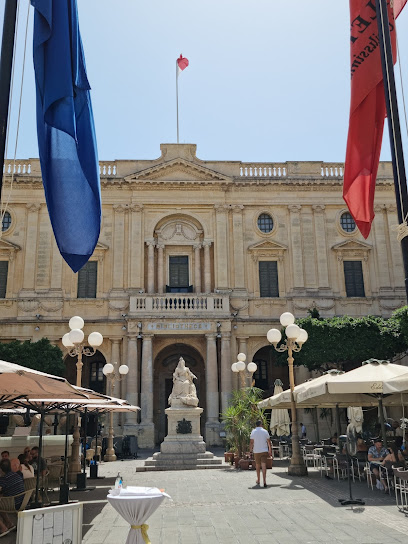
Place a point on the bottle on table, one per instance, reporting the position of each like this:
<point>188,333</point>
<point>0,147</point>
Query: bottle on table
<point>118,481</point>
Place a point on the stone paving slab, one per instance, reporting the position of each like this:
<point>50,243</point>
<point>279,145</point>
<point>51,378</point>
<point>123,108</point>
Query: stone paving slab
<point>223,507</point>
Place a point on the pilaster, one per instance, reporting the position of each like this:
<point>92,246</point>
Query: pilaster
<point>296,246</point>
<point>321,246</point>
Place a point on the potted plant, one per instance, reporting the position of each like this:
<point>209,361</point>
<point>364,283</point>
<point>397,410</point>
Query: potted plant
<point>239,419</point>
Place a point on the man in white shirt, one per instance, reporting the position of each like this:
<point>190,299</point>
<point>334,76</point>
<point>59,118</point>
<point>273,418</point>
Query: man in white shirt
<point>260,444</point>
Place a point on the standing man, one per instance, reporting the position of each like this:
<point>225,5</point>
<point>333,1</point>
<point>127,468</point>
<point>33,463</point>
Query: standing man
<point>260,444</point>
<point>303,430</point>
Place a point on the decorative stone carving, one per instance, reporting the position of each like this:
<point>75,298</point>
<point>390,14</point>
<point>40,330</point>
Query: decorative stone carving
<point>184,391</point>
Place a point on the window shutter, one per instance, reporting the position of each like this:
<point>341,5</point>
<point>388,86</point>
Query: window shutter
<point>3,278</point>
<point>178,271</point>
<point>87,279</point>
<point>268,279</point>
<point>353,277</point>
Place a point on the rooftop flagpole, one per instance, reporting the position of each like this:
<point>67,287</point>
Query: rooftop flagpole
<point>6,65</point>
<point>181,64</point>
<point>398,165</point>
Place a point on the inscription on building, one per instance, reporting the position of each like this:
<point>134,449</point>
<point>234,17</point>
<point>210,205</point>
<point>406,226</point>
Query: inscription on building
<point>162,326</point>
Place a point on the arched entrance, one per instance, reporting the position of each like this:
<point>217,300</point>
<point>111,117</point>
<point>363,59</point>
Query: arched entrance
<point>268,370</point>
<point>164,366</point>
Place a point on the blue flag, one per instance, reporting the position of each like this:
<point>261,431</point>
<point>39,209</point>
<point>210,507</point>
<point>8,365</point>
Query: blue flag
<point>66,133</point>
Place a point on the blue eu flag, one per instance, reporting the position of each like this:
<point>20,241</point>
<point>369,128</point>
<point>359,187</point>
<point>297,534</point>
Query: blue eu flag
<point>66,133</point>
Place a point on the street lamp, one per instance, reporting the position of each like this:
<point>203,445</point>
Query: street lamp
<point>240,366</point>
<point>73,341</point>
<point>113,374</point>
<point>295,338</point>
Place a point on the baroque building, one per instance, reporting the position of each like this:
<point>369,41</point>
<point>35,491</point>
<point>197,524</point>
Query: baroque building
<point>195,258</point>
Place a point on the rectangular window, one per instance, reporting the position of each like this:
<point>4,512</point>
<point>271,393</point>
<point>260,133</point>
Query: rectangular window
<point>87,278</point>
<point>178,274</point>
<point>268,279</point>
<point>353,277</point>
<point>3,278</point>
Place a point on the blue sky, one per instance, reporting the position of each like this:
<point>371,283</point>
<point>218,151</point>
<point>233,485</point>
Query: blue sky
<point>268,80</point>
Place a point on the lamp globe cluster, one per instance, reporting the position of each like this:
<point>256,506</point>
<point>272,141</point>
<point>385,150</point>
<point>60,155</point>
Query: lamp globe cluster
<point>76,335</point>
<point>292,331</point>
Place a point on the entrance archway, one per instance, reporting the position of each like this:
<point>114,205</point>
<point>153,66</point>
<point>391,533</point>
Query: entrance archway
<point>268,370</point>
<point>164,366</point>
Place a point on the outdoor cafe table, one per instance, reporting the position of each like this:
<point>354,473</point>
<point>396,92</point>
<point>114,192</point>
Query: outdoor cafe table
<point>136,505</point>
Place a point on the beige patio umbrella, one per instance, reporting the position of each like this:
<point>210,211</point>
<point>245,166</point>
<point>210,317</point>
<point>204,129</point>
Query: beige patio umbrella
<point>280,420</point>
<point>18,382</point>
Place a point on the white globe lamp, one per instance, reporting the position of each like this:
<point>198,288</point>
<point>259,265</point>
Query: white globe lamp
<point>274,336</point>
<point>123,370</point>
<point>66,342</point>
<point>107,369</point>
<point>303,336</point>
<point>234,367</point>
<point>292,331</point>
<point>76,322</point>
<point>76,336</point>
<point>287,319</point>
<point>252,367</point>
<point>95,339</point>
<point>241,357</point>
<point>240,366</point>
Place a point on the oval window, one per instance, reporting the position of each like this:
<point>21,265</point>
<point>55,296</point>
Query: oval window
<point>265,223</point>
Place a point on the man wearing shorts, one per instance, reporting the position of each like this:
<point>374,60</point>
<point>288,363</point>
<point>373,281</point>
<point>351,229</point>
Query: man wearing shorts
<point>260,444</point>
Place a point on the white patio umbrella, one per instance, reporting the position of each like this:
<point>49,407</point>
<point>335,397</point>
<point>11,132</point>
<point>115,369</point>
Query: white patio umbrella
<point>280,420</point>
<point>18,382</point>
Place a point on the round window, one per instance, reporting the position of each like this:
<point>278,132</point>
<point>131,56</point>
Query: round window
<point>6,223</point>
<point>347,222</point>
<point>265,223</point>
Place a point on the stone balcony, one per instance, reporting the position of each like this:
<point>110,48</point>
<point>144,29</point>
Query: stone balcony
<point>180,304</point>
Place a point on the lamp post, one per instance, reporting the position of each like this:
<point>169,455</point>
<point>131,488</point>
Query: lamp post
<point>240,367</point>
<point>113,374</point>
<point>73,341</point>
<point>295,338</point>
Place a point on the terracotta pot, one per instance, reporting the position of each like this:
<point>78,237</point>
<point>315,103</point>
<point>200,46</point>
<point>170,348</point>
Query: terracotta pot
<point>236,461</point>
<point>244,464</point>
<point>229,456</point>
<point>269,462</point>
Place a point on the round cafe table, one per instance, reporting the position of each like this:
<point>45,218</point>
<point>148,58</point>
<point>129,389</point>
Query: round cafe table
<point>136,505</point>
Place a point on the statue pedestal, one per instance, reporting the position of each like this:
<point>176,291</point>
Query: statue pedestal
<point>184,447</point>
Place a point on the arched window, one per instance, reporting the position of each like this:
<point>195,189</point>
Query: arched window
<point>96,376</point>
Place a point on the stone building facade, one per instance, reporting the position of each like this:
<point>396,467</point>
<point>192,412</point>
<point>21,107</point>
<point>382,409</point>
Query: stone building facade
<point>195,258</point>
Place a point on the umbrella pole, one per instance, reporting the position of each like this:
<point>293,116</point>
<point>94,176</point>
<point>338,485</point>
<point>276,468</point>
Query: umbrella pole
<point>316,419</point>
<point>338,426</point>
<point>81,477</point>
<point>383,432</point>
<point>64,487</point>
<point>37,503</point>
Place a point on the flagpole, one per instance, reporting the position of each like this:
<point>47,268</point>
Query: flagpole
<point>6,64</point>
<point>397,154</point>
<point>177,102</point>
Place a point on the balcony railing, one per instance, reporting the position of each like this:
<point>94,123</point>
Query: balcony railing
<point>180,303</point>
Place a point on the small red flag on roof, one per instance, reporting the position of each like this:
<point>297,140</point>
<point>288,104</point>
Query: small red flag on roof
<point>182,64</point>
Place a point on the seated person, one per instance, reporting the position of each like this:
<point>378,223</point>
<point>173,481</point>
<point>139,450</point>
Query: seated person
<point>26,469</point>
<point>393,459</point>
<point>15,464</point>
<point>5,455</point>
<point>334,440</point>
<point>11,483</point>
<point>361,445</point>
<point>376,455</point>
<point>34,462</point>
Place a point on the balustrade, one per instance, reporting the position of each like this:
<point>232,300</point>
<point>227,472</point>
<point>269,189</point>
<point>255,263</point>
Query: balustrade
<point>179,303</point>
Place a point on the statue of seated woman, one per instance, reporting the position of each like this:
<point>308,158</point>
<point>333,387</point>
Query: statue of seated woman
<point>184,391</point>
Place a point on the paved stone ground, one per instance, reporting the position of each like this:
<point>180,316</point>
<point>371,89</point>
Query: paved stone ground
<point>222,507</point>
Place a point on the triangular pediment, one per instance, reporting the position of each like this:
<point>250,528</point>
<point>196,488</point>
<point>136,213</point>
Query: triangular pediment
<point>267,245</point>
<point>178,170</point>
<point>8,246</point>
<point>352,245</point>
<point>101,246</point>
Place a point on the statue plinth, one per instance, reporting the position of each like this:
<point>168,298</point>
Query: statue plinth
<point>183,431</point>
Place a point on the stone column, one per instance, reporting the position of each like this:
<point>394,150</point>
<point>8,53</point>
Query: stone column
<point>147,379</point>
<point>30,256</point>
<point>221,246</point>
<point>135,247</point>
<point>56,266</point>
<point>150,266</point>
<point>296,246</point>
<point>226,372</point>
<point>207,267</point>
<point>238,237</point>
<point>132,380</point>
<point>395,264</point>
<point>197,268</point>
<point>160,269</point>
<point>118,245</point>
<point>382,250</point>
<point>211,375</point>
<point>321,247</point>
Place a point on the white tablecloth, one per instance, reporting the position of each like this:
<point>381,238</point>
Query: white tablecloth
<point>136,505</point>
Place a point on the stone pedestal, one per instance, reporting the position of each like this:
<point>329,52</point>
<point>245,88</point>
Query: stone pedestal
<point>184,447</point>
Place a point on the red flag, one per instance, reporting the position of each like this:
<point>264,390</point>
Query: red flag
<point>182,63</point>
<point>367,110</point>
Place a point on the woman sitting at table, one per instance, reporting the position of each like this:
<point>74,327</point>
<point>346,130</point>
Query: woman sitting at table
<point>25,468</point>
<point>393,459</point>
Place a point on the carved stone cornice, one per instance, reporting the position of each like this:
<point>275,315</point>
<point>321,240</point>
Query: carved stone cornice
<point>207,243</point>
<point>136,208</point>
<point>318,208</point>
<point>121,208</point>
<point>237,208</point>
<point>33,207</point>
<point>222,208</point>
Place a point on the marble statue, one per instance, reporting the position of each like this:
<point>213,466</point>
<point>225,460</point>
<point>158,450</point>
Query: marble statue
<point>184,391</point>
